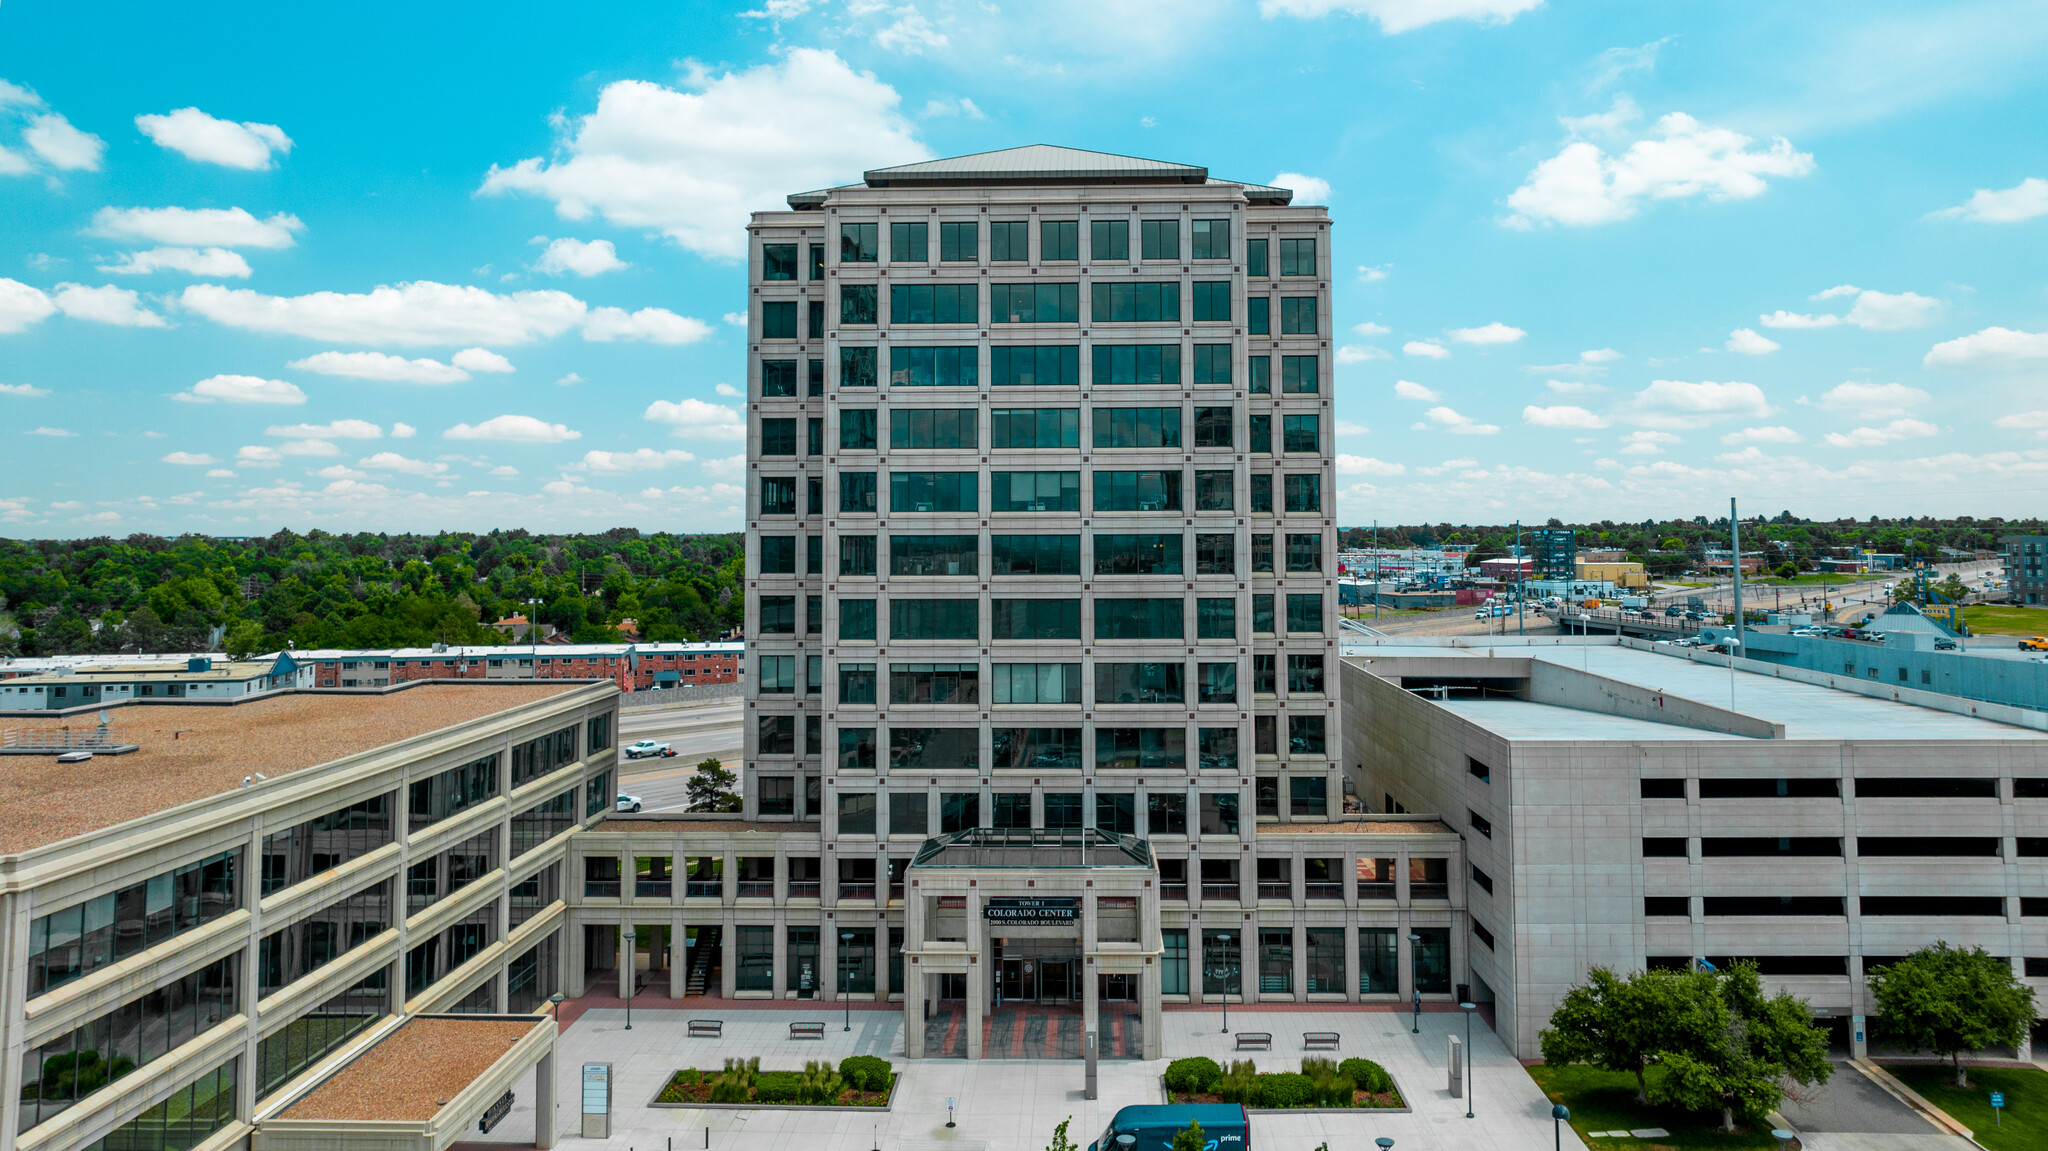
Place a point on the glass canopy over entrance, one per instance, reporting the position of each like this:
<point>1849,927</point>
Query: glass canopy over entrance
<point>1034,847</point>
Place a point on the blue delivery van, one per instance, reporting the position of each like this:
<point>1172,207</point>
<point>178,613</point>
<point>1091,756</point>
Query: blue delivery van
<point>1225,1127</point>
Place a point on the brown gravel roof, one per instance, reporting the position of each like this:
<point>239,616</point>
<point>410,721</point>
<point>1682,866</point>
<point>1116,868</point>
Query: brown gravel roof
<point>1359,827</point>
<point>411,1072</point>
<point>689,825</point>
<point>190,752</point>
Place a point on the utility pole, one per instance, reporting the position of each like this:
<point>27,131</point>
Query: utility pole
<point>1735,544</point>
<point>1375,570</point>
<point>1519,593</point>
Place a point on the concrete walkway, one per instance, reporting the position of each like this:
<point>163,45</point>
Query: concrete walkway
<point>1013,1104</point>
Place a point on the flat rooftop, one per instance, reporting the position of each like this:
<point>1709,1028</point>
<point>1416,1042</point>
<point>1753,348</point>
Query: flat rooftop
<point>218,671</point>
<point>1808,711</point>
<point>188,752</point>
<point>410,1074</point>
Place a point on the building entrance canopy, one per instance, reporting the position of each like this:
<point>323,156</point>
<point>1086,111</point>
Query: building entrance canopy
<point>1034,848</point>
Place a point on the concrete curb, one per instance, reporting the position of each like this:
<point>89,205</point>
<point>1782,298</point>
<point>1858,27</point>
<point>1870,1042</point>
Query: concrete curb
<point>1404,1109</point>
<point>889,1106</point>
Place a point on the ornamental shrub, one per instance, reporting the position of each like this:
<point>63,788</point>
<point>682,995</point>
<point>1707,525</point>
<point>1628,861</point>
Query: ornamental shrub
<point>819,1084</point>
<point>1236,1084</point>
<point>778,1087</point>
<point>1282,1089</point>
<point>1197,1075</point>
<point>866,1072</point>
<point>1370,1077</point>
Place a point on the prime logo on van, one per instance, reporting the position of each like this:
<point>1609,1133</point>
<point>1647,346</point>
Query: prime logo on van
<point>1032,912</point>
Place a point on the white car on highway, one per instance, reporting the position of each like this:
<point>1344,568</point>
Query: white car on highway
<point>628,803</point>
<point>647,747</point>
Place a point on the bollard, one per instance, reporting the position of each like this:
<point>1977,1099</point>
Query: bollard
<point>1088,1052</point>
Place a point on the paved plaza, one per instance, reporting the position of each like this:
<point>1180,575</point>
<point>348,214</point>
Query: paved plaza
<point>1013,1104</point>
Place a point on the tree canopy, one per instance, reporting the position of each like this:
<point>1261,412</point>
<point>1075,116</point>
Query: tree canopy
<point>1949,1000</point>
<point>201,593</point>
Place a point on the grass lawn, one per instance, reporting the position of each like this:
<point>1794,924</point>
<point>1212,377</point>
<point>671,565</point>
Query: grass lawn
<point>2023,1127</point>
<point>1606,1101</point>
<point>1808,579</point>
<point>2004,619</point>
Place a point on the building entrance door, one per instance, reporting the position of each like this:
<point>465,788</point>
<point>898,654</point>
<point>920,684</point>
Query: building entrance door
<point>1018,980</point>
<point>1055,981</point>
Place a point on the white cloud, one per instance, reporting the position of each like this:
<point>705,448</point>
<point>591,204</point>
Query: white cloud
<point>380,366</point>
<point>1572,387</point>
<point>1397,16</point>
<point>1899,429</point>
<point>514,429</point>
<point>1493,333</point>
<point>736,319</point>
<point>1349,428</point>
<point>2023,201</point>
<point>480,360</point>
<point>393,462</point>
<point>242,390</point>
<point>1798,320</point>
<point>1458,424</point>
<point>1599,356</point>
<point>569,380</point>
<point>341,472</point>
<point>211,262</point>
<point>1307,189</point>
<point>727,390</point>
<point>1647,443</point>
<point>220,473</point>
<point>1776,434</point>
<point>258,456</point>
<point>696,419</point>
<point>22,305</point>
<point>1430,348</point>
<point>191,459</point>
<point>62,146</point>
<point>338,430</point>
<point>198,227</point>
<point>504,470</point>
<point>1869,400</point>
<point>53,433</point>
<point>402,431</point>
<point>642,459</point>
<point>1745,341</point>
<point>1990,348</point>
<point>23,391</point>
<point>106,304</point>
<point>692,164</point>
<point>1582,185</point>
<point>1561,416</point>
<point>198,136</point>
<point>2035,421</point>
<point>1367,466</point>
<point>411,314</point>
<point>1410,390</point>
<point>947,106</point>
<point>1884,312</point>
<point>654,325</point>
<point>1360,353</point>
<point>1680,404</point>
<point>1373,273</point>
<point>911,33</point>
<point>308,448</point>
<point>1369,329</point>
<point>584,259</point>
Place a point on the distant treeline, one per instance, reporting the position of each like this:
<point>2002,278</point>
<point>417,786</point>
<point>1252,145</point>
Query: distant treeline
<point>150,594</point>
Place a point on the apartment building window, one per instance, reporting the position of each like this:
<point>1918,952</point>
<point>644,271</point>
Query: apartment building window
<point>859,243</point>
<point>1136,427</point>
<point>934,749</point>
<point>778,377</point>
<point>1018,683</point>
<point>934,492</point>
<point>907,242</point>
<point>1048,303</point>
<point>959,243</point>
<point>1212,301</point>
<point>857,493</point>
<point>1142,302</point>
<point>1160,239</point>
<point>293,952</point>
<point>287,1052</point>
<point>1258,321</point>
<point>73,1064</point>
<point>1136,364</point>
<point>857,555</point>
<point>1036,555</point>
<point>1109,240</point>
<point>934,304</point>
<point>1141,748</point>
<point>1210,239</point>
<point>856,683</point>
<point>929,429</point>
<point>1059,241</point>
<point>778,320</point>
<point>1035,428</point>
<point>1298,257</point>
<point>859,304</point>
<point>857,367</point>
<point>1035,619</point>
<point>328,841</point>
<point>597,733</point>
<point>1035,367</point>
<point>1041,748</point>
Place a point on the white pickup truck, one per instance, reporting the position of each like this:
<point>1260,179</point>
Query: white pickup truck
<point>647,747</point>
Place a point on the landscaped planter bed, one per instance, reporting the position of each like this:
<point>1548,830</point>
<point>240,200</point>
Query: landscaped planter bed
<point>1201,1080</point>
<point>742,1085</point>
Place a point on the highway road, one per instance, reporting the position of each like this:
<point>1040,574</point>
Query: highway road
<point>696,733</point>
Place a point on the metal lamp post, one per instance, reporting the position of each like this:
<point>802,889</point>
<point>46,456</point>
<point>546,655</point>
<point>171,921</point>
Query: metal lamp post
<point>1413,942</point>
<point>532,640</point>
<point>846,966</point>
<point>556,1000</point>
<point>1558,1114</point>
<point>1383,1143</point>
<point>1471,1009</point>
<point>626,975</point>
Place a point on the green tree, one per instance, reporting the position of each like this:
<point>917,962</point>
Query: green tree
<point>1060,1142</point>
<point>1190,1138</point>
<point>1788,570</point>
<point>1751,1046</point>
<point>712,788</point>
<point>1626,1024</point>
<point>1948,1000</point>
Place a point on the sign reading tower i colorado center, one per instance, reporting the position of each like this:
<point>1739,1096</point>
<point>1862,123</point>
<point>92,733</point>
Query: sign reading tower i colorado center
<point>1032,912</point>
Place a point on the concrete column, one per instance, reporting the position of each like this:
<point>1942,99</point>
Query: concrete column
<point>544,1101</point>
<point>780,974</point>
<point>1148,999</point>
<point>245,1084</point>
<point>1197,962</point>
<point>913,1010</point>
<point>828,961</point>
<point>573,958</point>
<point>975,1007</point>
<point>1404,952</point>
<point>1091,1013</point>
<point>679,955</point>
<point>728,956</point>
<point>629,961</point>
<point>1300,963</point>
<point>1351,956</point>
<point>977,971</point>
<point>729,884</point>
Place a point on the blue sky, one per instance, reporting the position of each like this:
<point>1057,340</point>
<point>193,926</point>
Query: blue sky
<point>454,266</point>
